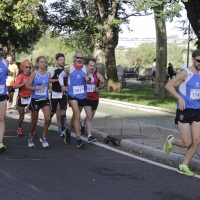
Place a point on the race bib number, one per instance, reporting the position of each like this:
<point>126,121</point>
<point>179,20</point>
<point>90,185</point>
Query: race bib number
<point>25,100</point>
<point>194,94</point>
<point>9,78</point>
<point>2,89</point>
<point>41,92</point>
<point>56,95</point>
<point>78,89</point>
<point>90,87</point>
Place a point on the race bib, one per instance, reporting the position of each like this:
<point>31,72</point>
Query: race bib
<point>2,88</point>
<point>194,94</point>
<point>25,100</point>
<point>56,95</point>
<point>41,92</point>
<point>78,89</point>
<point>90,87</point>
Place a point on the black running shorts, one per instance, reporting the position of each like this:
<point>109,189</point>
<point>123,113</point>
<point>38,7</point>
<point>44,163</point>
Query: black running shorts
<point>37,104</point>
<point>93,103</point>
<point>22,102</point>
<point>11,89</point>
<point>187,116</point>
<point>62,102</point>
<point>81,102</point>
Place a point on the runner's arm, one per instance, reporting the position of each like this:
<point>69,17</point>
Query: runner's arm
<point>18,83</point>
<point>30,81</point>
<point>170,86</point>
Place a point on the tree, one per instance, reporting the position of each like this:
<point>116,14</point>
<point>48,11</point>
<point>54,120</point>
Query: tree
<point>99,18</point>
<point>163,10</point>
<point>19,19</point>
<point>193,10</point>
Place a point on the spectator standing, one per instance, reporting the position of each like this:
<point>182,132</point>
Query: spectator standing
<point>170,71</point>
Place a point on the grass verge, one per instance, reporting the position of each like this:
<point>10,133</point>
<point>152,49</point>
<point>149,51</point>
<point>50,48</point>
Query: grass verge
<point>140,94</point>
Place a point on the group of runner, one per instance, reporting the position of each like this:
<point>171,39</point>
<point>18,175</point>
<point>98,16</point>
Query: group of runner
<point>77,84</point>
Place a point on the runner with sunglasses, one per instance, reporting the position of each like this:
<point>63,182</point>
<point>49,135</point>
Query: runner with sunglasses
<point>77,93</point>
<point>188,112</point>
<point>39,84</point>
<point>3,96</point>
<point>24,96</point>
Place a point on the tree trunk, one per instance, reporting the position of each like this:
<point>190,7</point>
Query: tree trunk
<point>11,48</point>
<point>111,71</point>
<point>161,58</point>
<point>110,41</point>
<point>99,56</point>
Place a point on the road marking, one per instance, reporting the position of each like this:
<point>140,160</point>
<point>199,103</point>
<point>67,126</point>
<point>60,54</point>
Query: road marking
<point>14,116</point>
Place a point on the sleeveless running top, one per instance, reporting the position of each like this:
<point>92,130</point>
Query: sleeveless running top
<point>189,90</point>
<point>38,81</point>
<point>3,75</point>
<point>91,95</point>
<point>77,83</point>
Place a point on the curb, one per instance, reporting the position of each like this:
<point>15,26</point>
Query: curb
<point>157,154</point>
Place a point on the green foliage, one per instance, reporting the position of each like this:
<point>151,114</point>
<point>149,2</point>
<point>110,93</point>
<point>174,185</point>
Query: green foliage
<point>170,8</point>
<point>49,47</point>
<point>80,41</point>
<point>21,24</point>
<point>21,15</point>
<point>147,52</point>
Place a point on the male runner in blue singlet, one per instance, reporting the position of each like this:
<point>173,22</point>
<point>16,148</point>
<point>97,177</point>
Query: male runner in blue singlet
<point>188,112</point>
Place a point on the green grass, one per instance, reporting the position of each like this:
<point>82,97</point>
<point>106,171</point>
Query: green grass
<point>140,94</point>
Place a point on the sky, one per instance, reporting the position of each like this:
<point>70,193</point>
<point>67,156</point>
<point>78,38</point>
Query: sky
<point>144,27</point>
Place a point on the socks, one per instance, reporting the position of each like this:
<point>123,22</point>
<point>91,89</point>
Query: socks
<point>78,138</point>
<point>83,124</point>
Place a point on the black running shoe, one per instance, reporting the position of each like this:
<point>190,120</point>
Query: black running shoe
<point>79,143</point>
<point>67,136</point>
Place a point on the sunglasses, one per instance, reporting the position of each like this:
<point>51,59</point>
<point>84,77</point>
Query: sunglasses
<point>28,67</point>
<point>197,60</point>
<point>1,49</point>
<point>77,57</point>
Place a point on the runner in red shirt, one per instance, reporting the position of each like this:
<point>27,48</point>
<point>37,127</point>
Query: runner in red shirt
<point>92,99</point>
<point>24,94</point>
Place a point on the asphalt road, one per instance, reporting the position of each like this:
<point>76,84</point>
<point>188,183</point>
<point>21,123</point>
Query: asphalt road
<point>65,172</point>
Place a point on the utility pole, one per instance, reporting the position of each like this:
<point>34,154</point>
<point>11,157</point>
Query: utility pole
<point>188,48</point>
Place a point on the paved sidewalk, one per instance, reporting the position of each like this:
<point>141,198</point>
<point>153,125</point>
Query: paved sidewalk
<point>136,128</point>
